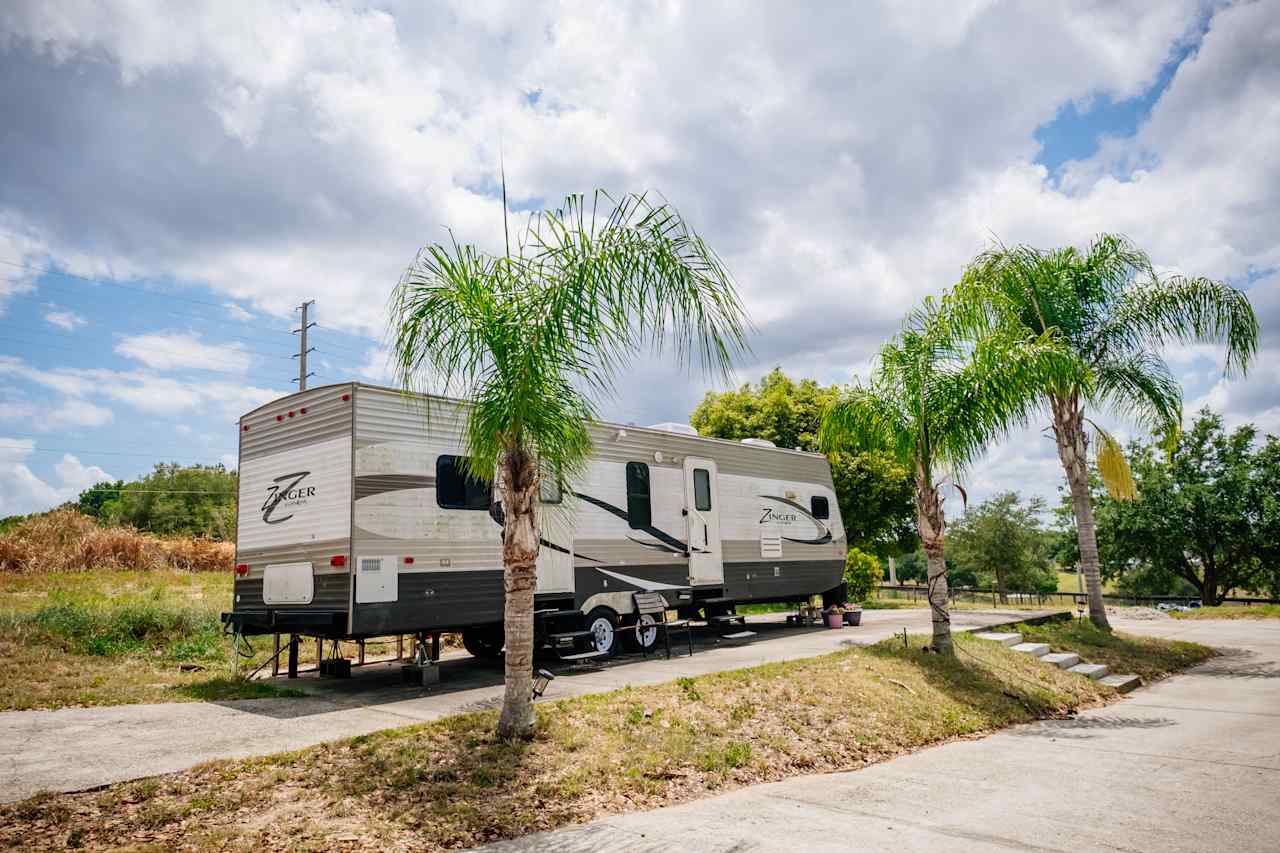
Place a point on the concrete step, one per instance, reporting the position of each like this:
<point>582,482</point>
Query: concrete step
<point>998,637</point>
<point>1062,660</point>
<point>1092,670</point>
<point>1122,683</point>
<point>1037,649</point>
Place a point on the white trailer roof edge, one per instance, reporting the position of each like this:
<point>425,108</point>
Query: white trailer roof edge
<point>608,424</point>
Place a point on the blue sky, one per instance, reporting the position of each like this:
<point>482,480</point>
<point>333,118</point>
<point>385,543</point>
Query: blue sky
<point>171,186</point>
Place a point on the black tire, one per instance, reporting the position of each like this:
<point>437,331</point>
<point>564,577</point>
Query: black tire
<point>484,642</point>
<point>606,640</point>
<point>637,638</point>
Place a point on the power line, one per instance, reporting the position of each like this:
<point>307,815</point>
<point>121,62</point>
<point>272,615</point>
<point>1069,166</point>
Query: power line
<point>30,297</point>
<point>87,451</point>
<point>93,337</point>
<point>234,375</point>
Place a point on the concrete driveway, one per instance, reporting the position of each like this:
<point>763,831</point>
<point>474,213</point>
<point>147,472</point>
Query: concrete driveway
<point>1190,764</point>
<point>79,748</point>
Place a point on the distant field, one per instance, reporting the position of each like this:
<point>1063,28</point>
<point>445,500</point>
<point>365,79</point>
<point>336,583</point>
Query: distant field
<point>1070,582</point>
<point>1231,611</point>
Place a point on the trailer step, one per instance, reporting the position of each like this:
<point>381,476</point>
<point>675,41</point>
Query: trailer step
<point>566,639</point>
<point>594,653</point>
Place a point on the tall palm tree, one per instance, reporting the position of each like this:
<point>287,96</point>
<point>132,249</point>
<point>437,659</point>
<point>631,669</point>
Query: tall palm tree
<point>1115,315</point>
<point>935,402</point>
<point>530,337</point>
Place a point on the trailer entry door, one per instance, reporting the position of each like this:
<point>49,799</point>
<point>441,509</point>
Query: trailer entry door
<point>555,524</point>
<point>702,510</point>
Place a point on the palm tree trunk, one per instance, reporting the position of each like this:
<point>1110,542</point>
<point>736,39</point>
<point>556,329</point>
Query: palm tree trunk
<point>520,579</point>
<point>1073,450</point>
<point>931,524</point>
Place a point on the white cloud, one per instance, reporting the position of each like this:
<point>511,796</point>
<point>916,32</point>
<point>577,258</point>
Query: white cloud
<point>179,351</point>
<point>21,491</point>
<point>236,312</point>
<point>72,412</point>
<point>146,391</point>
<point>67,321</point>
<point>843,161</point>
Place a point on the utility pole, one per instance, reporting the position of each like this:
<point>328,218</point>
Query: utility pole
<point>303,349</point>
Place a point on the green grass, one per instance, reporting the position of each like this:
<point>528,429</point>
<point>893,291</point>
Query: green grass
<point>450,784</point>
<point>1231,611</point>
<point>110,637</point>
<point>1123,654</point>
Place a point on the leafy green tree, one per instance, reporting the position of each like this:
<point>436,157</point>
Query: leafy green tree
<point>95,500</point>
<point>935,402</point>
<point>874,491</point>
<point>1002,539</point>
<point>1116,314</point>
<point>1208,516</point>
<point>863,573</point>
<point>173,500</point>
<point>530,336</point>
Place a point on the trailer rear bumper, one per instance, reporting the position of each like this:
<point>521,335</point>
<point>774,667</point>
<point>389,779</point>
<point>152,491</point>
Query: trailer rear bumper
<point>326,622</point>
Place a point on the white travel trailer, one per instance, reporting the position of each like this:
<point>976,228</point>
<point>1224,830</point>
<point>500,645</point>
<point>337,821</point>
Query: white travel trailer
<point>356,520</point>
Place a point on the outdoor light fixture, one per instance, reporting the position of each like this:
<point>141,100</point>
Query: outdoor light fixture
<point>541,679</point>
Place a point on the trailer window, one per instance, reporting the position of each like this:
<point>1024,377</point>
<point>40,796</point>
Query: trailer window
<point>456,490</point>
<point>701,490</point>
<point>639,510</point>
<point>818,507</point>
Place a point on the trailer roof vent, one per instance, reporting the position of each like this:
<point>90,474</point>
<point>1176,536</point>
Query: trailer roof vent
<point>669,426</point>
<point>759,442</point>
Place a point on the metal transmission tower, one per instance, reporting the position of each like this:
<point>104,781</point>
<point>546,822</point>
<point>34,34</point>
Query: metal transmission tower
<point>303,349</point>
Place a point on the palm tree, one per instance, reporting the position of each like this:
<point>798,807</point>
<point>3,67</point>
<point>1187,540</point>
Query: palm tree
<point>530,337</point>
<point>1115,315</point>
<point>935,402</point>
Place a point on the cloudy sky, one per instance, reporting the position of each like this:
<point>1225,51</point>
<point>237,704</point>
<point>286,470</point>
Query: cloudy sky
<point>175,178</point>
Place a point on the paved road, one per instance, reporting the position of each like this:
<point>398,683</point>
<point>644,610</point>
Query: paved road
<point>79,748</point>
<point>1189,764</point>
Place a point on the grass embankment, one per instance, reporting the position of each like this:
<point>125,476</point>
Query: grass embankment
<point>1148,657</point>
<point>1231,611</point>
<point>110,637</point>
<point>449,784</point>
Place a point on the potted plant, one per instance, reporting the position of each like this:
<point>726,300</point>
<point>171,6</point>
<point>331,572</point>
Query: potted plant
<point>835,616</point>
<point>853,614</point>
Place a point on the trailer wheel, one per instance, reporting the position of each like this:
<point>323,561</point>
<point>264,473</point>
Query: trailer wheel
<point>641,635</point>
<point>483,642</point>
<point>602,623</point>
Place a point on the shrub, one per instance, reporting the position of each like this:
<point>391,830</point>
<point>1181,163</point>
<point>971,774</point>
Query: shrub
<point>66,541</point>
<point>863,573</point>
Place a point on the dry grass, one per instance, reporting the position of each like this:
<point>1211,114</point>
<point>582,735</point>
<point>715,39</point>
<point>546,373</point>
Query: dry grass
<point>66,541</point>
<point>449,784</point>
<point>1122,653</point>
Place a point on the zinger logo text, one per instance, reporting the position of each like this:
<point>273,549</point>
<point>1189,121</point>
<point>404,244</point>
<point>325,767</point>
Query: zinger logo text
<point>287,490</point>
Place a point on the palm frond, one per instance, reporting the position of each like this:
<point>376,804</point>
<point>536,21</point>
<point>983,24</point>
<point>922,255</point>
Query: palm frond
<point>527,337</point>
<point>1139,386</point>
<point>1184,309</point>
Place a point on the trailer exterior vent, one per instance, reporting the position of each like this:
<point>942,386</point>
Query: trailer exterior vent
<point>759,442</point>
<point>669,426</point>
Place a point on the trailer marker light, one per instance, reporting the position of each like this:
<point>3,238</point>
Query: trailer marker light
<point>290,413</point>
<point>408,561</point>
<point>346,397</point>
<point>279,417</point>
<point>302,411</point>
<point>245,427</point>
<point>338,560</point>
<point>242,568</point>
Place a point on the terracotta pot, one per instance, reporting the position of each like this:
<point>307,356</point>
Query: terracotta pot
<point>835,620</point>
